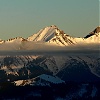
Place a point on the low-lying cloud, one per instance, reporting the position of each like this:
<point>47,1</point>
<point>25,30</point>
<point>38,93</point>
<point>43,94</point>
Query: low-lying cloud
<point>32,48</point>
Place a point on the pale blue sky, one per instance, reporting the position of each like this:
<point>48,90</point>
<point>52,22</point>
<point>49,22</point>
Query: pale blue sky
<point>26,17</point>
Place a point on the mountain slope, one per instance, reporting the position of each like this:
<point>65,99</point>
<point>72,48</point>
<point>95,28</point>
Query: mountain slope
<point>66,67</point>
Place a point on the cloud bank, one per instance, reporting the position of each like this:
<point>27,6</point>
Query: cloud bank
<point>32,48</point>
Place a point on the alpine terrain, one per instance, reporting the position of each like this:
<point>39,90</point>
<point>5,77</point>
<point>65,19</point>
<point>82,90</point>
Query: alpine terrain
<point>77,73</point>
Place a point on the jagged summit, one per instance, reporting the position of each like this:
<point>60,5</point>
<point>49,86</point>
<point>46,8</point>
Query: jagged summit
<point>94,36</point>
<point>97,30</point>
<point>53,35</point>
<point>16,38</point>
<point>54,26</point>
<point>94,32</point>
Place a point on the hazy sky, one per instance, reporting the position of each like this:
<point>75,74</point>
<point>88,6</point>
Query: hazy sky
<point>26,17</point>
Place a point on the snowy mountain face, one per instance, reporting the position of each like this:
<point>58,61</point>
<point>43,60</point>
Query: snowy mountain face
<point>44,35</point>
<point>52,35</point>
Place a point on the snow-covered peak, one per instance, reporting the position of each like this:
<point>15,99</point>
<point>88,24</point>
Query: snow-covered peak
<point>96,32</point>
<point>93,37</point>
<point>45,34</point>
<point>52,35</point>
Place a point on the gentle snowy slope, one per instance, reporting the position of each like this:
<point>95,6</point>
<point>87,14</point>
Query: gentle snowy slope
<point>40,80</point>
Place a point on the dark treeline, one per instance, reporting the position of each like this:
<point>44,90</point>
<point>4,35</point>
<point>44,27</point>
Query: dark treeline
<point>10,91</point>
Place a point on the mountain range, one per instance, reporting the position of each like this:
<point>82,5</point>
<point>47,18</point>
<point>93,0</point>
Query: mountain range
<point>51,36</point>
